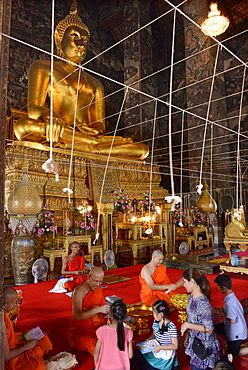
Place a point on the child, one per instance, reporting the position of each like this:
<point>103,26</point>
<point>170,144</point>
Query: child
<point>165,332</point>
<point>199,320</point>
<point>19,354</point>
<point>224,365</point>
<point>114,345</point>
<point>234,326</point>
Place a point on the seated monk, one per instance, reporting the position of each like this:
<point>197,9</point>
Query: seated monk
<point>76,94</point>
<point>89,308</point>
<point>18,353</point>
<point>155,281</point>
<point>73,266</point>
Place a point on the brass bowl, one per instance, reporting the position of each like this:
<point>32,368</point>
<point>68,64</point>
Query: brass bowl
<point>140,313</point>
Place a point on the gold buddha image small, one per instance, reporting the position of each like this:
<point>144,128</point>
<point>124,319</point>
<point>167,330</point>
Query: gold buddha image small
<point>74,91</point>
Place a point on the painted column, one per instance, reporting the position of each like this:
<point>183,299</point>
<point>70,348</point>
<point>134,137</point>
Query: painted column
<point>5,17</point>
<point>137,65</point>
<point>200,62</point>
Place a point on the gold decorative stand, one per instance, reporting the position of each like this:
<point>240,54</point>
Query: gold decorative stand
<point>141,314</point>
<point>133,176</point>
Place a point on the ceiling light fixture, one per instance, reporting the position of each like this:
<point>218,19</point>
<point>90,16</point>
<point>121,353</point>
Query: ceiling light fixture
<point>215,24</point>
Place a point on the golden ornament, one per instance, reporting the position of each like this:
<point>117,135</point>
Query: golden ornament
<point>206,203</point>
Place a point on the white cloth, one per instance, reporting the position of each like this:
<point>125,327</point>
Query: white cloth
<point>60,285</point>
<point>50,166</point>
<point>62,361</point>
<point>165,354</point>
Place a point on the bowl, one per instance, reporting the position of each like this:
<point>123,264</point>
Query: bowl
<point>139,311</point>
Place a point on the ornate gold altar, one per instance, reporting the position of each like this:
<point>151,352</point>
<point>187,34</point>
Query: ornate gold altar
<point>129,238</point>
<point>86,183</point>
<point>79,124</point>
<point>236,233</point>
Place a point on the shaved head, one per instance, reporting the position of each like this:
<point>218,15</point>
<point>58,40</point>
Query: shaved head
<point>9,294</point>
<point>95,278</point>
<point>157,253</point>
<point>96,271</point>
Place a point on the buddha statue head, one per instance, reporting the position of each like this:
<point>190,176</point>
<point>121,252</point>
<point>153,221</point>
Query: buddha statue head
<point>71,22</point>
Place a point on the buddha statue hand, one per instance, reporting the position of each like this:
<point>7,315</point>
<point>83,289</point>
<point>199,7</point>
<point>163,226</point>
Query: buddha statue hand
<point>58,125</point>
<point>88,130</point>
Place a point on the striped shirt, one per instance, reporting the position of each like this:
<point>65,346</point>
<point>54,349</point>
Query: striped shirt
<point>164,338</point>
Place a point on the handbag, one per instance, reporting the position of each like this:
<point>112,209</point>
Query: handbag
<point>199,348</point>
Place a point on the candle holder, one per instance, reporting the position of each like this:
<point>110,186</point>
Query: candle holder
<point>67,220</point>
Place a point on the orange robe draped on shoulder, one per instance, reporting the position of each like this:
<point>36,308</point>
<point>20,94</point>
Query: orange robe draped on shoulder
<point>76,264</point>
<point>28,360</point>
<point>160,277</point>
<point>82,334</point>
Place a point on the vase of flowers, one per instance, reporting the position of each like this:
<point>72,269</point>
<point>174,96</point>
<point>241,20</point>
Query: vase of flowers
<point>84,220</point>
<point>45,226</point>
<point>122,204</point>
<point>179,217</point>
<point>197,216</point>
<point>147,203</point>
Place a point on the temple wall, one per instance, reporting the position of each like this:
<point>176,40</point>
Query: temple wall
<point>201,67</point>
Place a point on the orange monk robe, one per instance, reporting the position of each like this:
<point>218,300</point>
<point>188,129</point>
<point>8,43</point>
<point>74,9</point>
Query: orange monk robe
<point>76,264</point>
<point>28,360</point>
<point>82,334</point>
<point>160,277</point>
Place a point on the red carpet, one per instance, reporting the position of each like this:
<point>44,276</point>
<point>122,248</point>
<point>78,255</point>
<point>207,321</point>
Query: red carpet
<point>52,311</point>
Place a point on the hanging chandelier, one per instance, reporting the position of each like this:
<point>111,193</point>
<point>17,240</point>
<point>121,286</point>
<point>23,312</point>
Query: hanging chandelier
<point>215,24</point>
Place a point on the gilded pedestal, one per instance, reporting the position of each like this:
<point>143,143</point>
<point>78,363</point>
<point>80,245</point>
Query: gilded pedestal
<point>86,182</point>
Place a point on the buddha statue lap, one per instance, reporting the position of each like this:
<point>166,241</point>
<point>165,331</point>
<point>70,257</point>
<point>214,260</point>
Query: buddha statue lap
<point>74,92</point>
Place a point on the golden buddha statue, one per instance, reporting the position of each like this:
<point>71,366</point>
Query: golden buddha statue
<point>74,92</point>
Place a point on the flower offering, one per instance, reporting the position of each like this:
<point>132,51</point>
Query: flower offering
<point>179,217</point>
<point>122,204</point>
<point>84,219</point>
<point>46,224</point>
<point>147,203</point>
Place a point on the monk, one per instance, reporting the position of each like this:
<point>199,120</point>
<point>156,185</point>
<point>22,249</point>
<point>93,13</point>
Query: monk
<point>89,308</point>
<point>155,283</point>
<point>73,266</point>
<point>19,354</point>
<point>78,98</point>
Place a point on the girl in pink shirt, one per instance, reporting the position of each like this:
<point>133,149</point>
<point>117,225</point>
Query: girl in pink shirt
<point>114,342</point>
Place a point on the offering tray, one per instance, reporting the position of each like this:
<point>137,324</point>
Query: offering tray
<point>180,302</point>
<point>141,314</point>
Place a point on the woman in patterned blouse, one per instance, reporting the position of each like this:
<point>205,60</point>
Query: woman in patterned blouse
<point>200,320</point>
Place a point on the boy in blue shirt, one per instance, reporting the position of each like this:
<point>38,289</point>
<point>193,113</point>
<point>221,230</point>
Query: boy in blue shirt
<point>234,325</point>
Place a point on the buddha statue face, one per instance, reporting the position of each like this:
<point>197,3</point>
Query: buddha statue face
<point>74,44</point>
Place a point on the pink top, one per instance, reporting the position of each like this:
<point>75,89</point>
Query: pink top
<point>110,357</point>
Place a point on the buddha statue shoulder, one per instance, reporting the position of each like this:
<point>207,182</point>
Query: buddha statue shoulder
<point>78,99</point>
